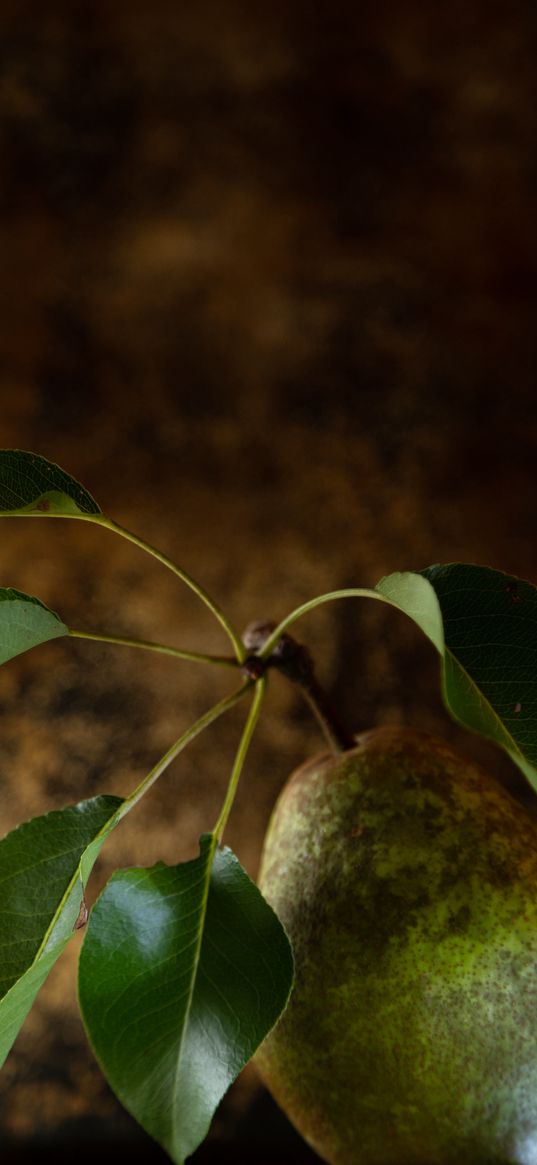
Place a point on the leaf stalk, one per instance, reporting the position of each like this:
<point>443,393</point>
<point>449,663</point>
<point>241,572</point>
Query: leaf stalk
<point>181,743</point>
<point>244,744</point>
<point>162,648</point>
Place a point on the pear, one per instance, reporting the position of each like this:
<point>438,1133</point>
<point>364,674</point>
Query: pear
<point>406,878</point>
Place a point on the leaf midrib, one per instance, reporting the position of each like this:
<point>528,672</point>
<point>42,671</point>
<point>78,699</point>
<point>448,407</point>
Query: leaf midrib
<point>77,876</point>
<point>193,980</point>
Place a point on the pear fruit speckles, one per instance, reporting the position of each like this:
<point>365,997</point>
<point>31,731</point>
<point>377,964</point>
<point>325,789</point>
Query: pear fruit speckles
<point>406,879</point>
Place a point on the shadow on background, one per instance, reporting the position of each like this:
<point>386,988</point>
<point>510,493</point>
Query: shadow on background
<point>262,1137</point>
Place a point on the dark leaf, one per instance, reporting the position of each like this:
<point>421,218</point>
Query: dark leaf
<point>44,867</point>
<point>484,625</point>
<point>184,970</point>
<point>29,484</point>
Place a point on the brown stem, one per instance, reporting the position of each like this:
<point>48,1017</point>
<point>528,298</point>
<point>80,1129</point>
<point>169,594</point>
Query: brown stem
<point>294,661</point>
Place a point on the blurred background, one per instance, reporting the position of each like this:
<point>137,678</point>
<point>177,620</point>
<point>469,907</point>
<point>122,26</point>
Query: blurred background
<point>268,290</point>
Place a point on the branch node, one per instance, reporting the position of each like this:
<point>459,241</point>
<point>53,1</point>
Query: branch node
<point>294,661</point>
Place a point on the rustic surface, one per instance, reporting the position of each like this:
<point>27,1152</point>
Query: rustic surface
<point>268,290</point>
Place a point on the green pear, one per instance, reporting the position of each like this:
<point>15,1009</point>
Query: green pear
<point>406,878</point>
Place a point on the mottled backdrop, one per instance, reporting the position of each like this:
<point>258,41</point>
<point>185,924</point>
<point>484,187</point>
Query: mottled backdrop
<point>268,282</point>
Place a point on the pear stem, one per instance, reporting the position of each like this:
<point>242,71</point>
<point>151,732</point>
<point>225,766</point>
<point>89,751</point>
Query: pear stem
<point>294,661</point>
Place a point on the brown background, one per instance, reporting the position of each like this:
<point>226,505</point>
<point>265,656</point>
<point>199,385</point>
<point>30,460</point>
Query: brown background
<point>268,289</point>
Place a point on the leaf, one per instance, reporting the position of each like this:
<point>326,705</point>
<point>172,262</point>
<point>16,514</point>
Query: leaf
<point>183,972</point>
<point>29,484</point>
<point>483,623</point>
<point>25,622</point>
<point>44,867</point>
<point>414,595</point>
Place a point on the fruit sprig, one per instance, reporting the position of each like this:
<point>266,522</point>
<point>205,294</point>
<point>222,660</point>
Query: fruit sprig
<point>173,1019</point>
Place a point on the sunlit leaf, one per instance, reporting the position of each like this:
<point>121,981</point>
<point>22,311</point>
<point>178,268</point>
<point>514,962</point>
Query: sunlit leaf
<point>183,972</point>
<point>29,484</point>
<point>44,867</point>
<point>25,622</point>
<point>414,595</point>
<point>484,625</point>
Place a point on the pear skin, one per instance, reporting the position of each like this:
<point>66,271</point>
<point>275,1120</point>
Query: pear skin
<point>406,878</point>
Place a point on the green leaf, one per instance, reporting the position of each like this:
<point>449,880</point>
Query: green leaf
<point>484,625</point>
<point>29,484</point>
<point>184,970</point>
<point>25,622</point>
<point>414,595</point>
<point>44,867</point>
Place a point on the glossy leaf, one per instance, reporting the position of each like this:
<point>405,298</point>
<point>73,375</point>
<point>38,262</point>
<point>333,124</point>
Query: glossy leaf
<point>183,972</point>
<point>25,622</point>
<point>484,625</point>
<point>44,867</point>
<point>29,484</point>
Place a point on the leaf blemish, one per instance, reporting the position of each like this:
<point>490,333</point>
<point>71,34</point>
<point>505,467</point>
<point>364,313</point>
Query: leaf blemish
<point>512,590</point>
<point>517,708</point>
<point>82,916</point>
<point>43,505</point>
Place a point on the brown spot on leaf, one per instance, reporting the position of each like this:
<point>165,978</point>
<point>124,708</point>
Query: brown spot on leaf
<point>82,916</point>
